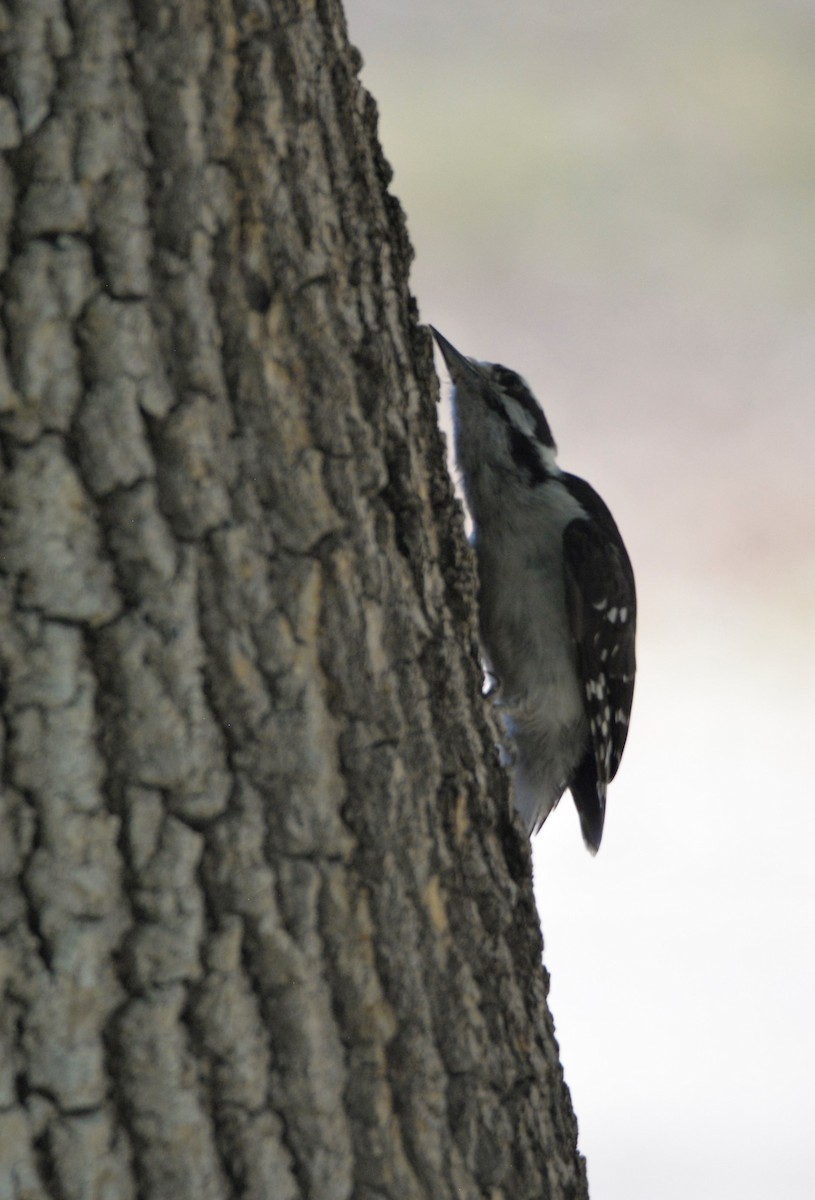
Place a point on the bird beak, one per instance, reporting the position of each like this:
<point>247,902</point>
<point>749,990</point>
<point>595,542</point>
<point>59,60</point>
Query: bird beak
<point>458,366</point>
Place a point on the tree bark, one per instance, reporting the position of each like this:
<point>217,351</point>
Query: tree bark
<point>267,921</point>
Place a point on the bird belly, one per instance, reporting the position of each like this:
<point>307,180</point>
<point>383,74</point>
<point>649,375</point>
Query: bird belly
<point>528,647</point>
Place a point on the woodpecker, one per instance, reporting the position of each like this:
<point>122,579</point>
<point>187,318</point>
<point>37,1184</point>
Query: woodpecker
<point>556,594</point>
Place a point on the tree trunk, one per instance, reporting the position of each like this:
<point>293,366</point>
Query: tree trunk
<point>267,922</point>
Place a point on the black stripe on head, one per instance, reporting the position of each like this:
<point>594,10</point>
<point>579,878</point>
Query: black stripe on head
<point>511,383</point>
<point>525,456</point>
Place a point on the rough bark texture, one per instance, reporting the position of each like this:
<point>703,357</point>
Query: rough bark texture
<point>267,925</point>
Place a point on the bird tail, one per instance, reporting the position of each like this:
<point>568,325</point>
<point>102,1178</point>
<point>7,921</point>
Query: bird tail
<point>589,796</point>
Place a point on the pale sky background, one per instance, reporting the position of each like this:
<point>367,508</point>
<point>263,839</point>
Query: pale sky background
<point>617,199</point>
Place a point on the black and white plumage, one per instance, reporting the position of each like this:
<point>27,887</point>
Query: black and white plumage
<point>557,601</point>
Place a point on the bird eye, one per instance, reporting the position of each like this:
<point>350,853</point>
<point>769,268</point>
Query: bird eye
<point>512,383</point>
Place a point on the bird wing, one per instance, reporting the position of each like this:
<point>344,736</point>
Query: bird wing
<point>602,609</point>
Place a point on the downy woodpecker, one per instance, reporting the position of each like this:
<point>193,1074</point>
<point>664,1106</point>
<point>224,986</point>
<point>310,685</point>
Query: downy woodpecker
<point>557,602</point>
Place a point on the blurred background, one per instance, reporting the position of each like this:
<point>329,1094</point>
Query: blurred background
<point>617,199</point>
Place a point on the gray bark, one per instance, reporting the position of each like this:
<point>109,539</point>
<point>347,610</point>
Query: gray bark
<point>266,922</point>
